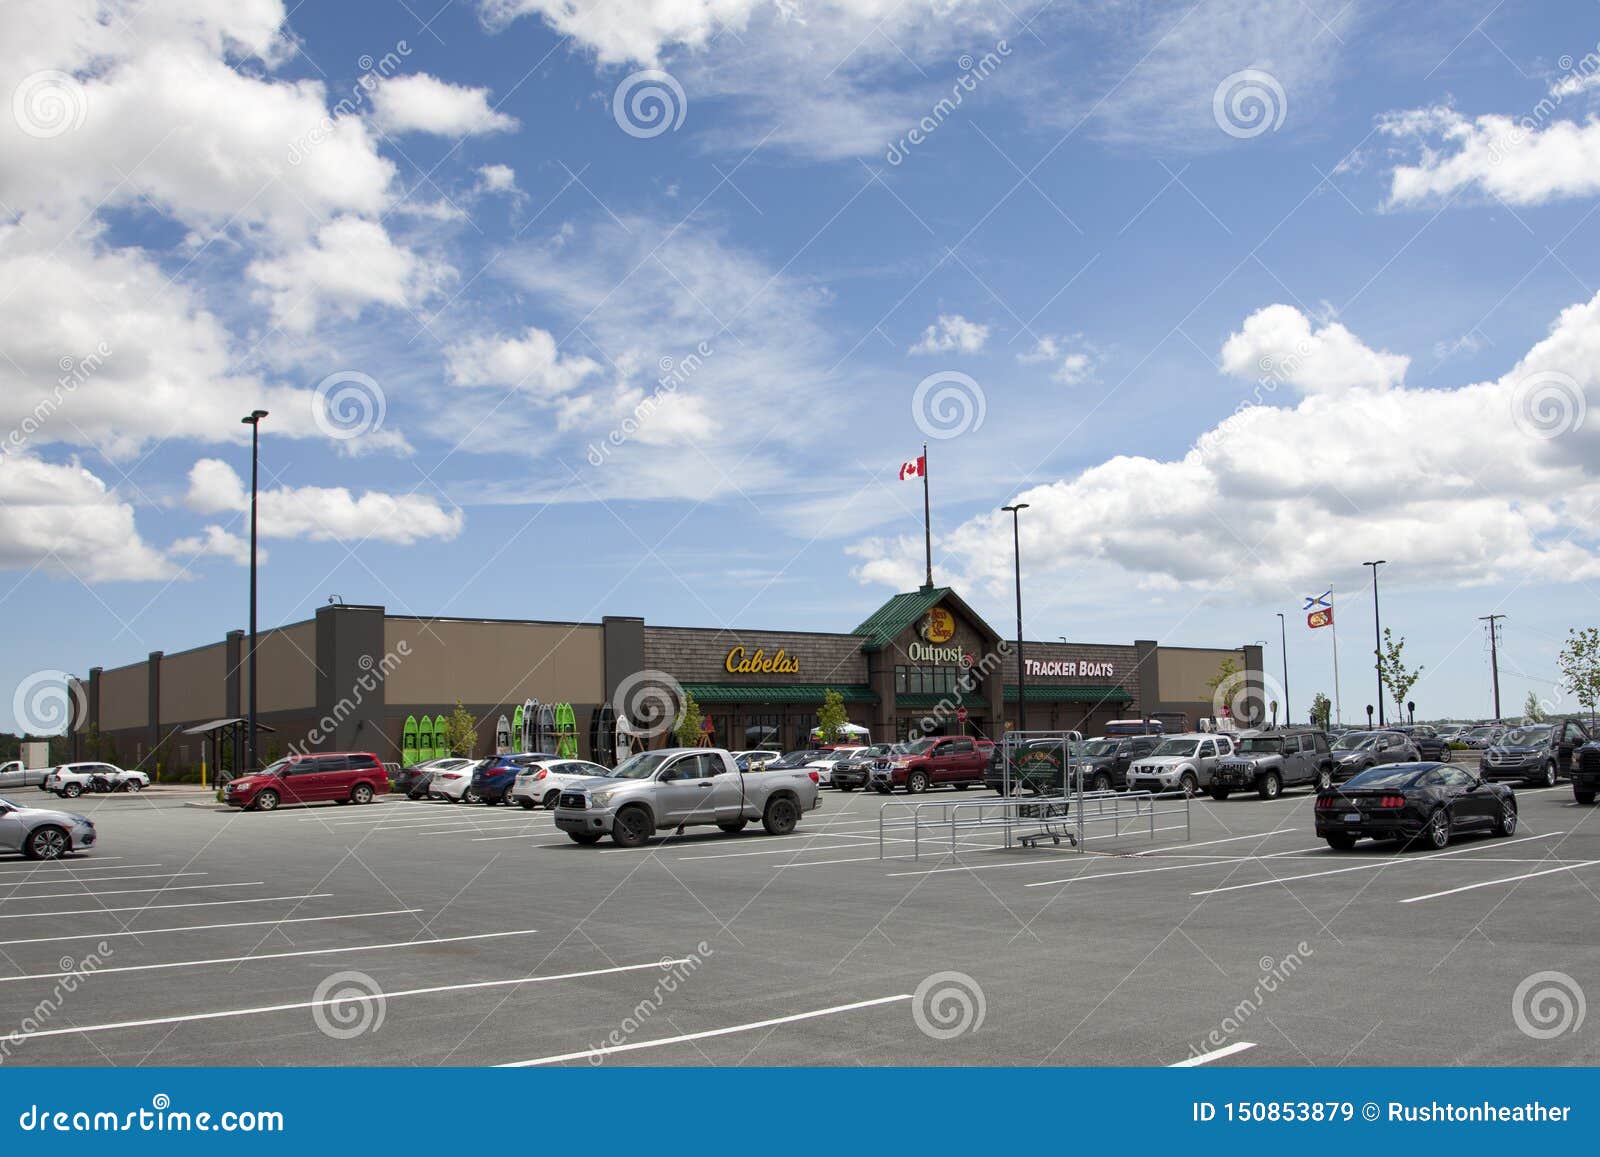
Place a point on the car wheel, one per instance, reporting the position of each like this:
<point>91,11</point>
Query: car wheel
<point>361,793</point>
<point>733,826</point>
<point>1100,782</point>
<point>133,785</point>
<point>1189,784</point>
<point>587,839</point>
<point>1324,779</point>
<point>1506,823</point>
<point>916,783</point>
<point>471,795</point>
<point>528,804</point>
<point>72,791</point>
<point>1270,786</point>
<point>266,800</point>
<point>781,816</point>
<point>1341,843</point>
<point>47,843</point>
<point>1438,830</point>
<point>1583,796</point>
<point>1221,792</point>
<point>1550,775</point>
<point>551,799</point>
<point>631,828</point>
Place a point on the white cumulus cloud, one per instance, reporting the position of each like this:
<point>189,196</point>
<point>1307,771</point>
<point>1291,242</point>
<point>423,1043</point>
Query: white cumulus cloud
<point>952,333</point>
<point>419,103</point>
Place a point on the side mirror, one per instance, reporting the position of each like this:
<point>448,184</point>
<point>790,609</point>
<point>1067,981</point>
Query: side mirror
<point>667,776</point>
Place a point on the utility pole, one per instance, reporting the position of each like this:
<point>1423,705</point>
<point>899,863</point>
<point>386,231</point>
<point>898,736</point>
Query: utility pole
<point>1016,548</point>
<point>1377,634</point>
<point>1494,656</point>
<point>1283,645</point>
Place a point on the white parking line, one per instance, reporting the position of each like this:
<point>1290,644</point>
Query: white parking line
<point>211,927</point>
<point>87,864</point>
<point>1506,880</point>
<point>1228,840</point>
<point>715,1032</point>
<point>1397,858</point>
<point>101,880</point>
<point>1143,872</point>
<point>270,956</point>
<point>131,891</point>
<point>154,907</point>
<point>1215,1055</point>
<point>364,998</point>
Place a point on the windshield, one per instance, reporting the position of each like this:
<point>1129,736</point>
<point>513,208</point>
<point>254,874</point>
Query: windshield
<point>1183,747</point>
<point>920,747</point>
<point>640,766</point>
<point>1095,748</point>
<point>1384,777</point>
<point>1526,736</point>
<point>795,759</point>
<point>275,768</point>
<point>1258,744</point>
<point>878,749</point>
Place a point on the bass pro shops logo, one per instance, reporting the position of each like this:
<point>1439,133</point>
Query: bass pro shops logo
<point>937,626</point>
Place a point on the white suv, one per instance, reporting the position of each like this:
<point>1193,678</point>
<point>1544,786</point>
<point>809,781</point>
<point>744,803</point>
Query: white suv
<point>543,782</point>
<point>70,780</point>
<point>1181,763</point>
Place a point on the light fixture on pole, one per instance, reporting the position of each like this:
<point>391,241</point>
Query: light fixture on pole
<point>254,422</point>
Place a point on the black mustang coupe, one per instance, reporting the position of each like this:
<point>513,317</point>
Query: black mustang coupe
<point>1412,801</point>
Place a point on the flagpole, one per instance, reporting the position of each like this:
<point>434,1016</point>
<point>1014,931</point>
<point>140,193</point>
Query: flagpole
<point>927,520</point>
<point>1333,623</point>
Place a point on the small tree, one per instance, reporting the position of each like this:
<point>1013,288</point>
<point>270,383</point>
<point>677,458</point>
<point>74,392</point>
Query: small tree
<point>1579,661</point>
<point>1321,711</point>
<point>1229,668</point>
<point>1532,709</point>
<point>832,717</point>
<point>687,729</point>
<point>461,732</point>
<point>1394,673</point>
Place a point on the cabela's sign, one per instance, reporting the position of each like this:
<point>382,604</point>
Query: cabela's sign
<point>1068,667</point>
<point>758,662</point>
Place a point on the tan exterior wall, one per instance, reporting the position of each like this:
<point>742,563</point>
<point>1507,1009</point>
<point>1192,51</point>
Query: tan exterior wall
<point>489,662</point>
<point>194,685</point>
<point>700,655</point>
<point>1182,672</point>
<point>125,697</point>
<point>286,661</point>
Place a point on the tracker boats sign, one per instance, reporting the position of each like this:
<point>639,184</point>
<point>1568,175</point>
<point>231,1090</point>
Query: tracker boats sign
<point>1069,668</point>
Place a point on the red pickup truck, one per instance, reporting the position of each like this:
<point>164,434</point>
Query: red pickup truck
<point>937,761</point>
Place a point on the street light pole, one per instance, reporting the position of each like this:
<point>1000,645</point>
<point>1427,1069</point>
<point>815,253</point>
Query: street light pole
<point>1016,552</point>
<point>1283,643</point>
<point>1494,656</point>
<point>1377,633</point>
<point>254,422</point>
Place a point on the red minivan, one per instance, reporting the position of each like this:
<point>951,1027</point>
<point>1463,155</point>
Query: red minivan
<point>343,777</point>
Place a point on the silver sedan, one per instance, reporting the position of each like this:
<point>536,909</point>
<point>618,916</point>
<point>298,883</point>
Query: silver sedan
<point>42,833</point>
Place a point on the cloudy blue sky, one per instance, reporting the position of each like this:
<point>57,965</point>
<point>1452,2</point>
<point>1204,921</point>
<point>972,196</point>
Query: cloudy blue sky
<point>565,309</point>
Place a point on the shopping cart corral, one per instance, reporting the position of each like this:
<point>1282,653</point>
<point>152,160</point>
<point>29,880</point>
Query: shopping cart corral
<point>1059,810</point>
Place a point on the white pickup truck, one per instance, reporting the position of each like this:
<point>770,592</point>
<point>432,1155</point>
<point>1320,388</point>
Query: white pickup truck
<point>678,787</point>
<point>13,774</point>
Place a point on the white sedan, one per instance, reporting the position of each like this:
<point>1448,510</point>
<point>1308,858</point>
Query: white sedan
<point>823,764</point>
<point>542,782</point>
<point>452,784</point>
<point>70,780</point>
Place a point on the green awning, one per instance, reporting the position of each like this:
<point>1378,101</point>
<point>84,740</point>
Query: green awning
<point>807,693</point>
<point>1067,693</point>
<point>884,625</point>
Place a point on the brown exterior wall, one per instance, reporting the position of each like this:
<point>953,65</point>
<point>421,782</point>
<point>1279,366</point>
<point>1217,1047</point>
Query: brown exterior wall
<point>124,698</point>
<point>193,685</point>
<point>699,654</point>
<point>286,663</point>
<point>493,663</point>
<point>1182,672</point>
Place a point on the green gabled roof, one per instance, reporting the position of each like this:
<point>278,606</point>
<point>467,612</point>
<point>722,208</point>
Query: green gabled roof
<point>1060,693</point>
<point>777,692</point>
<point>884,625</point>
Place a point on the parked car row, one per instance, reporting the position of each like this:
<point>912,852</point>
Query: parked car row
<point>70,780</point>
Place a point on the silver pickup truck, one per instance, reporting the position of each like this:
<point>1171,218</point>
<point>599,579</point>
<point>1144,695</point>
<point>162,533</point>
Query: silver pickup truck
<point>678,787</point>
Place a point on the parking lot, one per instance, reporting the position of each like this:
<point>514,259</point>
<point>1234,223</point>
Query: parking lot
<point>208,936</point>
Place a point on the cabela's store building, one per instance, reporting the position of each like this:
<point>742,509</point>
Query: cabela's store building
<point>350,677</point>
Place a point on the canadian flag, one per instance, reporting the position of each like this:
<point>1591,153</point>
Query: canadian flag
<point>916,468</point>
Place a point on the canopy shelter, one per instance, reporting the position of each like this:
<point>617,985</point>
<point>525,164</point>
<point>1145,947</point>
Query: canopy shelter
<point>227,735</point>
